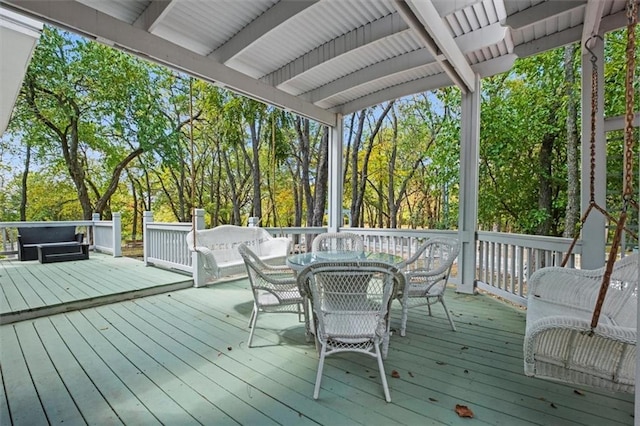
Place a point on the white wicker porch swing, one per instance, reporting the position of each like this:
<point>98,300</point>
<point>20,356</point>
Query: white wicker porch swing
<point>582,324</point>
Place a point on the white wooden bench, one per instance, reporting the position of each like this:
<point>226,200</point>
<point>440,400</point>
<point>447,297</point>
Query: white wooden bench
<point>215,253</point>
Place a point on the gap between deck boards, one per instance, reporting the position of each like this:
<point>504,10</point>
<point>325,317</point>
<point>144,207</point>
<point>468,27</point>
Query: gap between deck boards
<point>31,313</point>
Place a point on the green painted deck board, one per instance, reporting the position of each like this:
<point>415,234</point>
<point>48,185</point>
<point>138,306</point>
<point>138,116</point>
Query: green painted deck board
<point>31,286</point>
<point>181,357</point>
<point>58,404</point>
<point>89,400</point>
<point>203,370</point>
<point>120,398</point>
<point>22,397</point>
<point>255,374</point>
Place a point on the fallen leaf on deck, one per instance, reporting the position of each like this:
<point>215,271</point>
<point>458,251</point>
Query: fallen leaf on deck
<point>576,391</point>
<point>463,411</point>
<point>395,374</point>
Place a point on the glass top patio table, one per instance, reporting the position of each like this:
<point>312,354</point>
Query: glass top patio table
<point>298,262</point>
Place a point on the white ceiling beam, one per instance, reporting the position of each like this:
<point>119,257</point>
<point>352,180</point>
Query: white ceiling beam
<point>591,22</point>
<point>456,64</point>
<point>553,41</point>
<point>470,42</point>
<point>259,27</point>
<point>570,35</point>
<point>87,21</point>
<point>619,122</point>
<point>153,14</point>
<point>542,11</point>
<point>447,7</point>
<point>382,28</point>
<point>405,89</point>
<point>484,69</point>
<point>399,64</point>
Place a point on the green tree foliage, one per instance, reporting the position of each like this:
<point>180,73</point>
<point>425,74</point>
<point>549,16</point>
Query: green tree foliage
<point>91,107</point>
<point>522,145</point>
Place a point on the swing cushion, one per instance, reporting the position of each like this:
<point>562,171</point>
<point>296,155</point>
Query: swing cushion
<point>558,344</point>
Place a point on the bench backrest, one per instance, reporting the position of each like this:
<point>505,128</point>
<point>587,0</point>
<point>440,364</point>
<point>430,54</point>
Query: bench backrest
<point>47,234</point>
<point>224,240</point>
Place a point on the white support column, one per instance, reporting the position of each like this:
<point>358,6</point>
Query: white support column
<point>593,230</point>
<point>197,262</point>
<point>91,233</point>
<point>116,229</point>
<point>468,205</point>
<point>335,176</point>
<point>199,218</point>
<point>147,217</point>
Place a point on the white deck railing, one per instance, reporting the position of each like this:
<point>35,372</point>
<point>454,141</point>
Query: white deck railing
<point>165,244</point>
<point>102,235</point>
<point>504,261</point>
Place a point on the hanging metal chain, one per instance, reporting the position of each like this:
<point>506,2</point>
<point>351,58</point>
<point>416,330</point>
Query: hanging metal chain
<point>632,17</point>
<point>594,109</point>
<point>627,197</point>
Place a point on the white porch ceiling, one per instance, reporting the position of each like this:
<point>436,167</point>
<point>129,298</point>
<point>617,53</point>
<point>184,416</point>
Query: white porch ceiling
<point>320,58</point>
<point>18,38</point>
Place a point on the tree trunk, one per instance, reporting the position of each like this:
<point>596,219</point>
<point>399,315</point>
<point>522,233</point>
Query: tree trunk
<point>25,176</point>
<point>355,149</point>
<point>572,213</point>
<point>136,213</point>
<point>363,178</point>
<point>545,190</point>
<point>257,193</point>
<point>302,129</point>
<point>322,179</point>
<point>104,200</point>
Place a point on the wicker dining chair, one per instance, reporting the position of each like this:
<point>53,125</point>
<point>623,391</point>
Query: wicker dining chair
<point>340,242</point>
<point>426,275</point>
<point>351,301</point>
<point>274,288</point>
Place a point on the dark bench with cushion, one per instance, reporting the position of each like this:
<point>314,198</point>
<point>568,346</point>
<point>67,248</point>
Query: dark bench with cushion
<point>51,244</point>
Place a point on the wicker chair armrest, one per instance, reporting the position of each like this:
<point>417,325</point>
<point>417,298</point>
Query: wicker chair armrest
<point>440,272</point>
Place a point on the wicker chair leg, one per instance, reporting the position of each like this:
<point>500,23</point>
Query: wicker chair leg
<point>316,390</point>
<point>253,313</point>
<point>446,311</point>
<point>383,377</point>
<point>405,314</point>
<point>254,318</point>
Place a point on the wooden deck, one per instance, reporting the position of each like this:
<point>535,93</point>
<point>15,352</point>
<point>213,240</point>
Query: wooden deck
<point>31,289</point>
<point>181,358</point>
